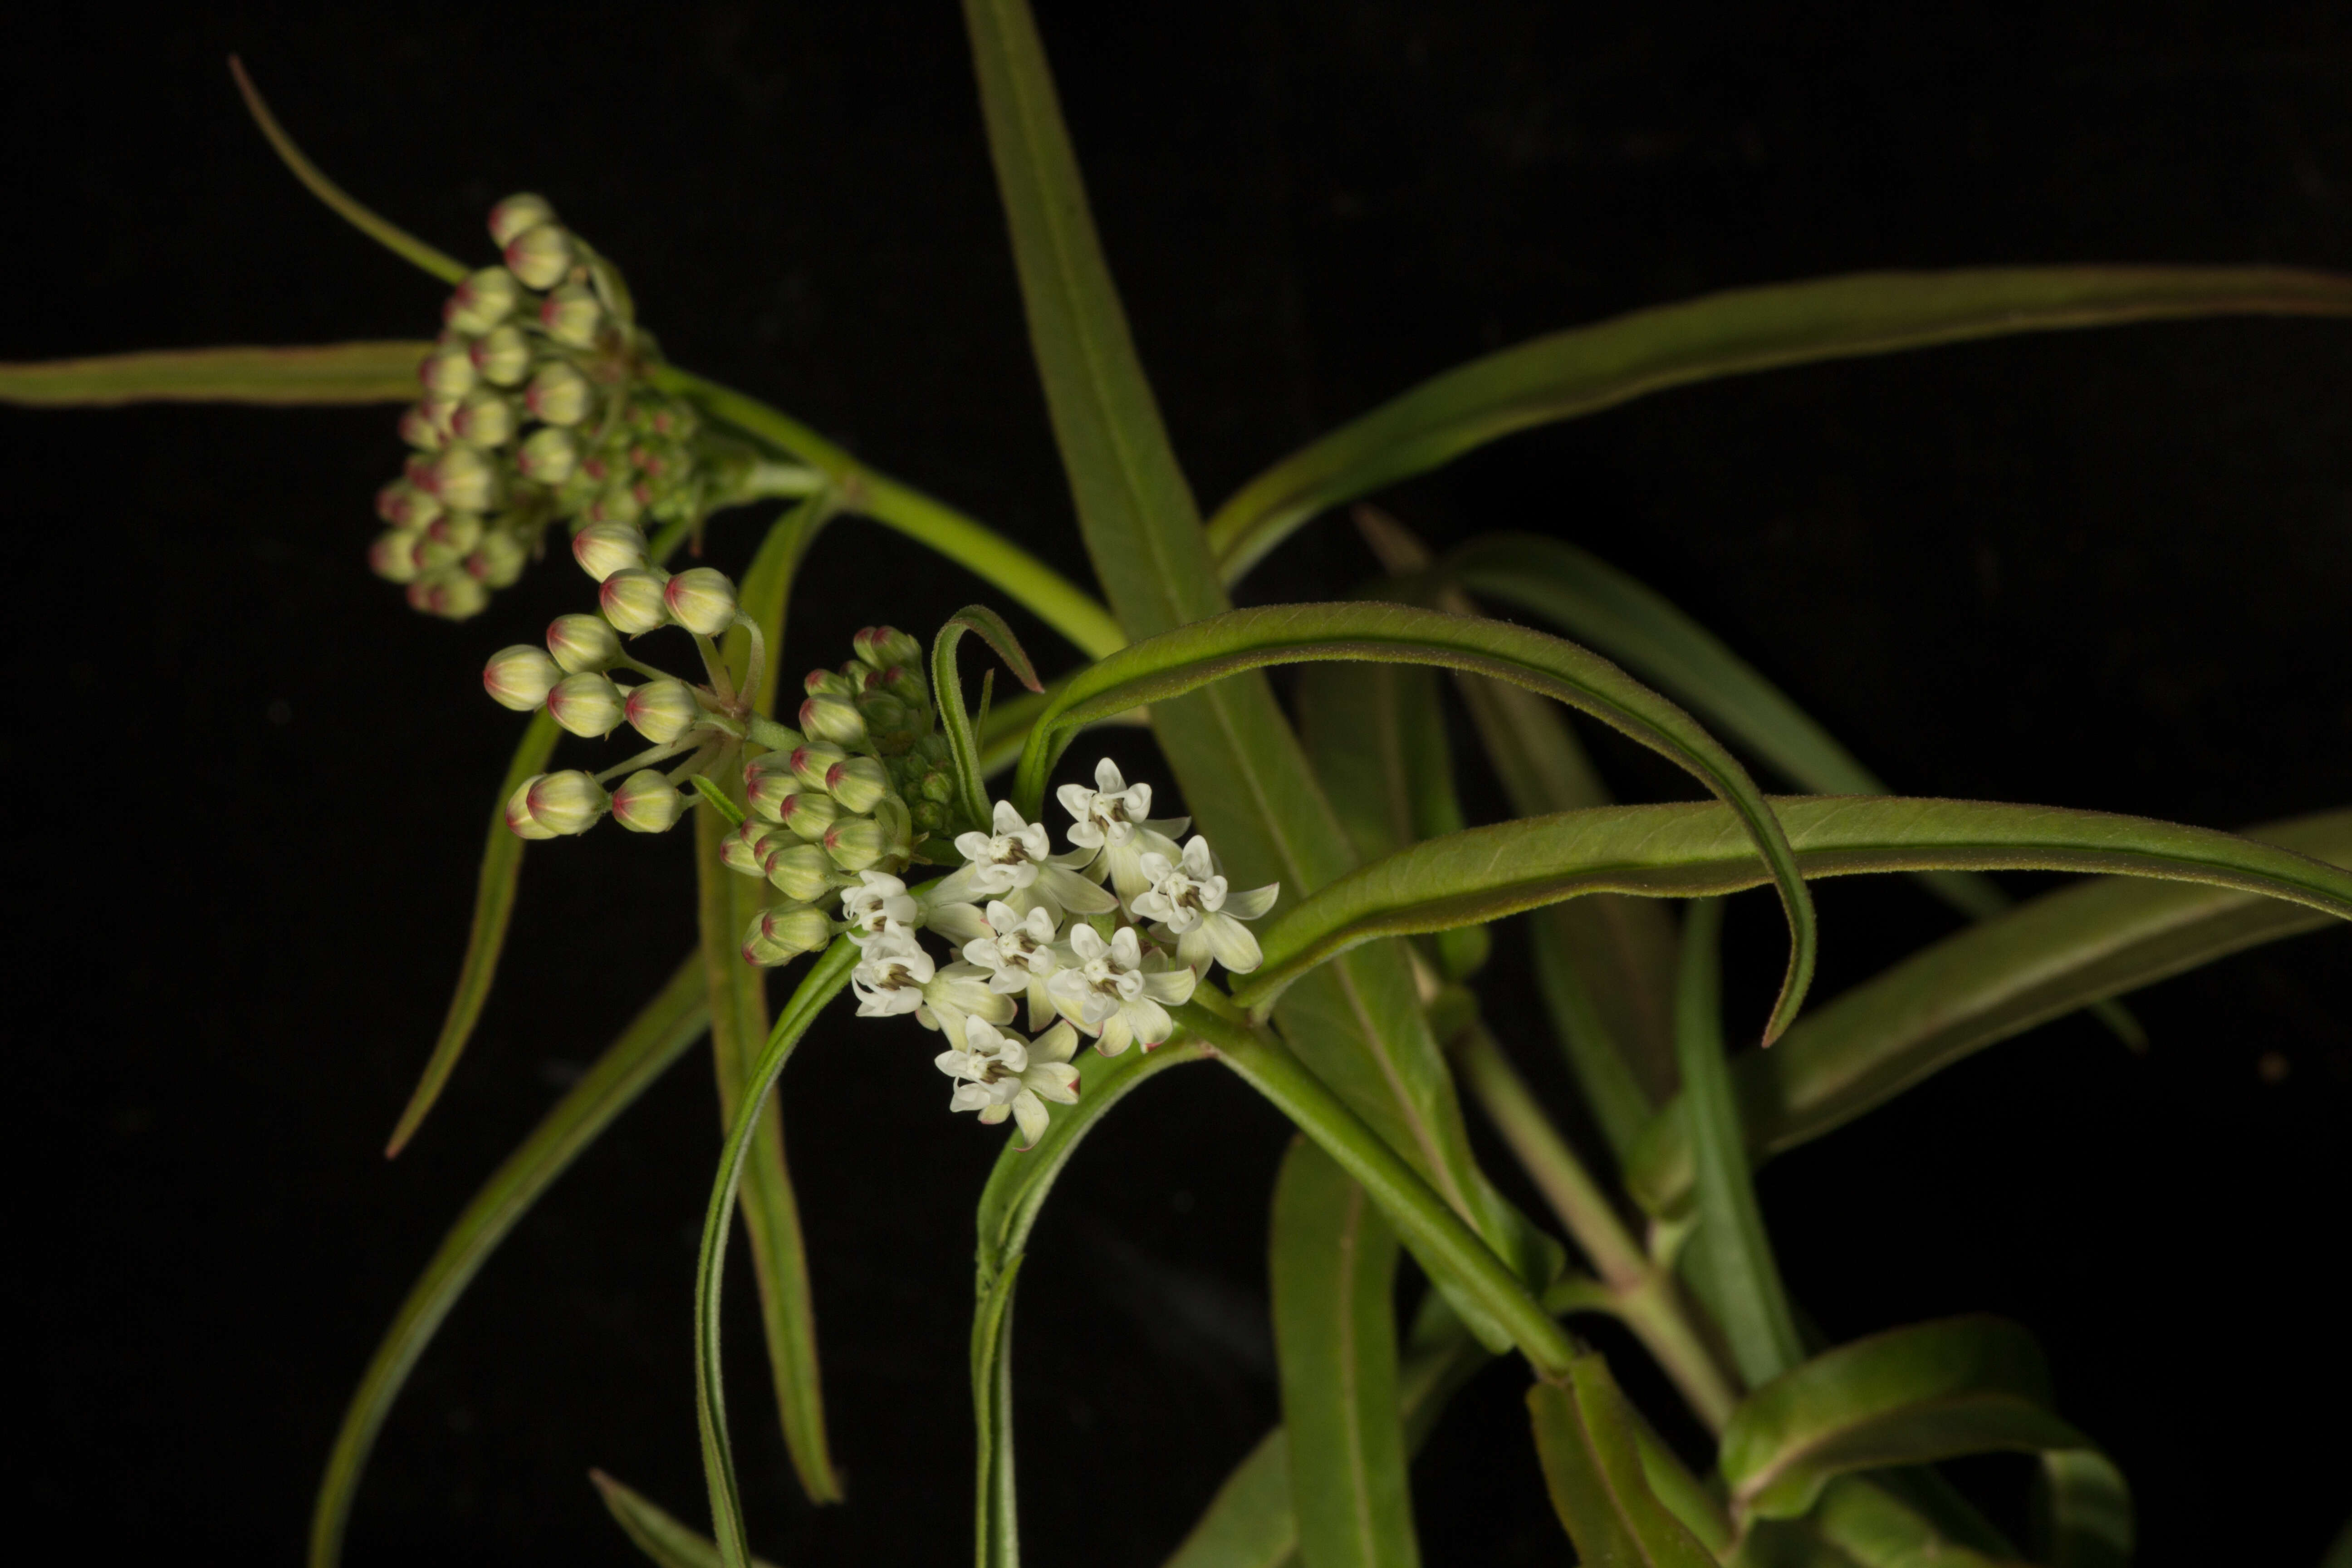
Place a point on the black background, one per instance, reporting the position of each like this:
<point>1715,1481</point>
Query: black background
<point>2107,570</point>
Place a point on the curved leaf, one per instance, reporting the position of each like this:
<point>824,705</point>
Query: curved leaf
<point>1592,1468</point>
<point>1698,850</point>
<point>1739,331</point>
<point>328,372</point>
<point>1931,1391</point>
<point>656,1038</point>
<point>2041,961</point>
<point>666,1541</point>
<point>947,687</point>
<point>1859,1525</point>
<point>1194,656</point>
<point>2083,1512</point>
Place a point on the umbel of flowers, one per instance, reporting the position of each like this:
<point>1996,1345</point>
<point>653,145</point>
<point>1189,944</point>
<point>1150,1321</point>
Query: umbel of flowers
<point>535,410</point>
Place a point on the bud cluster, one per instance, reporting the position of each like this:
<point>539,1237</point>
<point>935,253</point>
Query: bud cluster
<point>536,408</point>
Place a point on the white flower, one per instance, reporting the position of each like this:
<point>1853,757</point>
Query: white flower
<point>998,1075</point>
<point>1116,992</point>
<point>1189,900</point>
<point>877,906</point>
<point>1018,951</point>
<point>1113,829</point>
<point>891,976</point>
<point>1014,863</point>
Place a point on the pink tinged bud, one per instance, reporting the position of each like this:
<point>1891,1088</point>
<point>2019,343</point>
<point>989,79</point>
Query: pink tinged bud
<point>767,792</point>
<point>856,843</point>
<point>581,642</point>
<point>858,783</point>
<point>702,598</point>
<point>392,556</point>
<point>883,646</point>
<point>822,682</point>
<point>605,548</point>
<point>519,821</point>
<point>548,456</point>
<point>802,872</point>
<point>483,300</point>
<point>448,371</point>
<point>740,850</point>
<point>425,426</point>
<point>498,561</point>
<point>617,503</point>
<point>632,600</point>
<point>459,531</point>
<point>463,479</point>
<point>567,803</point>
<point>517,213</point>
<point>834,718</point>
<point>571,315</point>
<point>432,555</point>
<point>519,676</point>
<point>810,816</point>
<point>588,705</point>
<point>446,591</point>
<point>539,255</point>
<point>812,762</point>
<point>647,803</point>
<point>502,355</point>
<point>559,395</point>
<point>663,710</point>
<point>483,418</point>
<point>796,926</point>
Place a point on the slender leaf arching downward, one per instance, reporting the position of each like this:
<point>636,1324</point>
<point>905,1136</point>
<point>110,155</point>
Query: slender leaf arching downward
<point>330,372</point>
<point>658,1036</point>
<point>1592,1467</point>
<point>666,1541</point>
<point>1194,656</point>
<point>947,689</point>
<point>1586,369</point>
<point>2083,1512</point>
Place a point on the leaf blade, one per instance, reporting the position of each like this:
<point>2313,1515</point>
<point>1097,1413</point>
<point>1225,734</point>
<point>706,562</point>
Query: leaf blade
<point>668,1542</point>
<point>1584,1433</point>
<point>381,371</point>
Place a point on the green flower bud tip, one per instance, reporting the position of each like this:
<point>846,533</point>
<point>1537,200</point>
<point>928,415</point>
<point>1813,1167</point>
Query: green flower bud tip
<point>828,683</point>
<point>617,503</point>
<point>808,814</point>
<point>519,211</point>
<point>502,355</point>
<point>559,395</point>
<point>448,371</point>
<point>483,418</point>
<point>856,843</point>
<point>425,425</point>
<point>702,598</point>
<point>448,592</point>
<point>463,479</point>
<point>812,762</point>
<point>432,555</point>
<point>883,646</point>
<point>858,783</point>
<point>548,456</point>
<point>571,316</point>
<point>647,803</point>
<point>587,704</point>
<point>483,300</point>
<point>797,926</point>
<point>605,548</point>
<point>540,255</point>
<point>402,505</point>
<point>802,872</point>
<point>498,561</point>
<point>580,643</point>
<point>392,556</point>
<point>519,676</point>
<point>739,850</point>
<point>569,801</point>
<point>632,600</point>
<point>461,531</point>
<point>519,821</point>
<point>663,710</point>
<point>767,792</point>
<point>834,718</point>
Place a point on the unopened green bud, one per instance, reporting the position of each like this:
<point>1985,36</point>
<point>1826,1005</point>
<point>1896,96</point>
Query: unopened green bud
<point>784,933</point>
<point>519,211</point>
<point>571,315</point>
<point>502,355</point>
<point>559,395</point>
<point>632,600</point>
<point>540,255</point>
<point>858,783</point>
<point>548,456</point>
<point>446,591</point>
<point>432,555</point>
<point>519,676</point>
<point>647,803</point>
<point>618,503</point>
<point>662,711</point>
<point>808,814</point>
<point>569,801</point>
<point>402,505</point>
<point>583,643</point>
<point>702,598</point>
<point>498,560</point>
<point>883,646</point>
<point>484,418</point>
<point>799,871</point>
<point>448,371</point>
<point>856,843</point>
<point>464,479</point>
<point>929,816</point>
<point>828,683</point>
<point>519,821</point>
<point>905,683</point>
<point>834,718</point>
<point>587,704</point>
<point>605,548</point>
<point>939,784</point>
<point>893,725</point>
<point>812,762</point>
<point>392,556</point>
<point>740,850</point>
<point>425,425</point>
<point>767,790</point>
<point>459,531</point>
<point>483,300</point>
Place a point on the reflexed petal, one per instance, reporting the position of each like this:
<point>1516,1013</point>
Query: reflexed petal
<point>1124,950</point>
<point>1149,1021</point>
<point>1006,822</point>
<point>1078,860</point>
<point>1257,901</point>
<point>1078,801</point>
<point>1041,1005</point>
<point>1109,780</point>
<point>1058,1043</point>
<point>956,887</point>
<point>1193,950</point>
<point>1030,1112</point>
<point>1230,941</point>
<point>1172,985</point>
<point>1199,864</point>
<point>1087,943</point>
<point>1074,892</point>
<point>1118,1033</point>
<point>1056,1081</point>
<point>1169,828</point>
<point>1157,865</point>
<point>959,923</point>
<point>996,1113</point>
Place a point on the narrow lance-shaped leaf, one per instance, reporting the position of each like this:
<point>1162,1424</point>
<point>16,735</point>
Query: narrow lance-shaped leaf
<point>2082,1511</point>
<point>1586,369</point>
<point>1976,988</point>
<point>947,689</point>
<point>326,374</point>
<point>1584,1432</point>
<point>656,1036</point>
<point>1333,1270</point>
<point>666,1541</point>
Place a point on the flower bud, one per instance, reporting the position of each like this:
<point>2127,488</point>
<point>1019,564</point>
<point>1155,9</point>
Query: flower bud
<point>647,803</point>
<point>858,783</point>
<point>802,872</point>
<point>784,933</point>
<point>519,676</point>
<point>548,456</point>
<point>483,418</point>
<point>498,561</point>
<point>448,371</point>
<point>519,211</point>
<point>464,480</point>
<point>702,598</point>
<point>663,710</point>
<point>459,531</point>
<point>856,843</point>
<point>808,814</point>
<point>540,255</point>
<point>740,850</point>
<point>905,683</point>
<point>502,355</point>
<point>632,600</point>
<point>519,821</point>
<point>392,556</point>
<point>766,789</point>
<point>569,801</point>
<point>605,548</point>
<point>581,642</point>
<point>559,395</point>
<point>812,762</point>
<point>891,723</point>
<point>828,682</point>
<point>446,591</point>
<point>834,718</point>
<point>883,646</point>
<point>425,425</point>
<point>617,502</point>
<point>587,704</point>
<point>483,300</point>
<point>432,555</point>
<point>571,315</point>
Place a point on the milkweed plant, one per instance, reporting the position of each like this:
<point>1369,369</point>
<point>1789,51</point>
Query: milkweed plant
<point>1313,920</point>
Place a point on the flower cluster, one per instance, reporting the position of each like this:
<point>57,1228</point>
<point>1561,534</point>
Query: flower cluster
<point>536,409</point>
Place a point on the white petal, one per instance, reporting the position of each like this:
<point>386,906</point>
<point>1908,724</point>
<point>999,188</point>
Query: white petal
<point>959,923</point>
<point>1257,901</point>
<point>996,1113</point>
<point>1116,1035</point>
<point>1230,941</point>
<point>1149,1021</point>
<point>1124,951</point>
<point>974,1097</point>
<point>1056,1081</point>
<point>1058,1043</point>
<point>1030,1112</point>
<point>1041,1006</point>
<point>1192,949</point>
<point>1040,926</point>
<point>1086,834</point>
<point>1170,985</point>
<point>956,887</point>
<point>973,846</point>
<point>1157,865</point>
<point>1199,864</point>
<point>955,1064</point>
<point>1005,820</point>
<point>1074,892</point>
<point>1078,800</point>
<point>1109,780</point>
<point>1087,943</point>
<point>1211,893</point>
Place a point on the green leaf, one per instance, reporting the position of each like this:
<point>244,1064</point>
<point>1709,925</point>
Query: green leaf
<point>392,237</point>
<point>2041,961</point>
<point>656,1038</point>
<point>2083,1510</point>
<point>748,1121</point>
<point>1858,1524</point>
<point>666,1541</point>
<point>1333,1272</point>
<point>1586,369</point>
<point>764,597</point>
<point>328,372</point>
<point>1730,1259</point>
<point>714,795</point>
<point>494,901</point>
<point>1699,849</point>
<point>947,686</point>
<point>1194,656</point>
<point>1931,1391</point>
<point>1592,1468</point>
